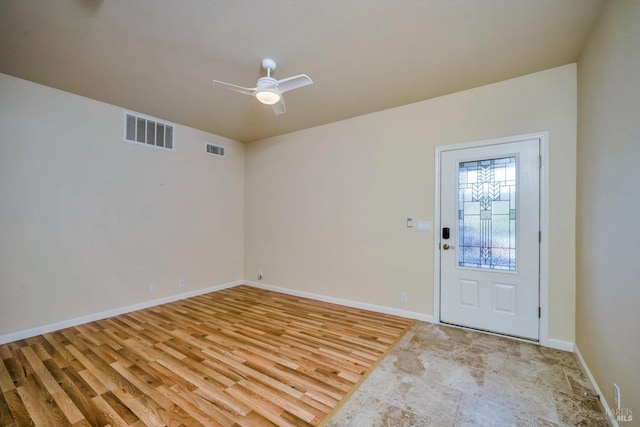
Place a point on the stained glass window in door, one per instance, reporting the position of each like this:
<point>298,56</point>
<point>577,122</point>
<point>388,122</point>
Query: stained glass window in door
<point>487,214</point>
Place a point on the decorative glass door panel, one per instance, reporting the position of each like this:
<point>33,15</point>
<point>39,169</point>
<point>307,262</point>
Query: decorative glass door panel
<point>487,214</point>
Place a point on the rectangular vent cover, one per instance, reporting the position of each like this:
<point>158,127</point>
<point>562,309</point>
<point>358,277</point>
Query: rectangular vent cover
<point>148,131</point>
<point>215,149</point>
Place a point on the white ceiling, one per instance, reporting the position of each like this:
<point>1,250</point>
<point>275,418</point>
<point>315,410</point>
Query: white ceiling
<point>158,57</point>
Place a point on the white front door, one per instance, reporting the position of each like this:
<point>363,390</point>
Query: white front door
<point>489,264</point>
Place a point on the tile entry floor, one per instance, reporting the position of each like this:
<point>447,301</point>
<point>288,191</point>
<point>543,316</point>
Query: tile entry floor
<point>444,376</point>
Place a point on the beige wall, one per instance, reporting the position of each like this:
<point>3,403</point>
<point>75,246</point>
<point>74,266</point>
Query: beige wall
<point>325,208</point>
<point>608,207</point>
<point>88,222</point>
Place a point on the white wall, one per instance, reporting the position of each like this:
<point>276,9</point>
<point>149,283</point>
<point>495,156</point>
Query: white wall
<point>325,208</point>
<point>608,208</point>
<point>88,222</point>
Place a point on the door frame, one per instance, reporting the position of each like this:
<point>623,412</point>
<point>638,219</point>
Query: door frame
<point>543,138</point>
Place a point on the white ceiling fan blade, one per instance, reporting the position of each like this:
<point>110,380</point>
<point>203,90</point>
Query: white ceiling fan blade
<point>235,88</point>
<point>294,82</point>
<point>279,107</point>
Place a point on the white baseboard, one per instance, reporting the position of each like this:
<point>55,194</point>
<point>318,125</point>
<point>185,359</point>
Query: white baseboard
<point>345,302</point>
<point>558,344</point>
<point>14,336</point>
<point>603,401</point>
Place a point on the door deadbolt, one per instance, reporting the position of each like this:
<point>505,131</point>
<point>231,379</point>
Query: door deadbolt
<point>445,233</point>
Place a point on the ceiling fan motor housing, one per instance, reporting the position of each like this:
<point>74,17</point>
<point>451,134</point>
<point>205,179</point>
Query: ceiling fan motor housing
<point>266,83</point>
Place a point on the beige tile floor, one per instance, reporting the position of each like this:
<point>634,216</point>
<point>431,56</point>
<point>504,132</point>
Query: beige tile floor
<point>443,376</point>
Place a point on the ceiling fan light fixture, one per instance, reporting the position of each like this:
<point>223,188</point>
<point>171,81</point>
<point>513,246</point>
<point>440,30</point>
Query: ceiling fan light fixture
<point>268,97</point>
<point>268,90</point>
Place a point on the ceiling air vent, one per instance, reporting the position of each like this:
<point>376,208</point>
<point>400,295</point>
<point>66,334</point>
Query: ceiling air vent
<point>148,131</point>
<point>215,150</point>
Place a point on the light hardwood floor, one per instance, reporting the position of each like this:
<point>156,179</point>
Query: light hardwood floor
<point>237,357</point>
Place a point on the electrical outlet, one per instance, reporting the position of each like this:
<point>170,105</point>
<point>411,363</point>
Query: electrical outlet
<point>153,288</point>
<point>181,283</point>
<point>616,396</point>
<point>403,297</point>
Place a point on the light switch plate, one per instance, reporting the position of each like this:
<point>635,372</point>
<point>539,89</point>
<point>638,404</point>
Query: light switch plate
<point>424,225</point>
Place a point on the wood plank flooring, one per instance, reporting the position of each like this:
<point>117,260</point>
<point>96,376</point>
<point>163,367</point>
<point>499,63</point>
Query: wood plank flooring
<point>237,357</point>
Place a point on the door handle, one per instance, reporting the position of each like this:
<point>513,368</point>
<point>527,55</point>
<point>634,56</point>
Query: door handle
<point>446,247</point>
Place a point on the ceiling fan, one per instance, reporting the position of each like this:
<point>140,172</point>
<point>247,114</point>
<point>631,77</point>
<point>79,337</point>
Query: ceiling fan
<point>269,90</point>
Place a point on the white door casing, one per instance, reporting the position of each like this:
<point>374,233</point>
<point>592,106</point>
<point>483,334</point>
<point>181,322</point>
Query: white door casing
<point>487,282</point>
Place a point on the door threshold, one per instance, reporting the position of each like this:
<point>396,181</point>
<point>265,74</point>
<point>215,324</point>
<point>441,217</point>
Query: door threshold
<point>497,334</point>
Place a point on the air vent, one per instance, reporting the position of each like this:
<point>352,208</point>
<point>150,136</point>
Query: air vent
<point>148,131</point>
<point>215,150</point>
